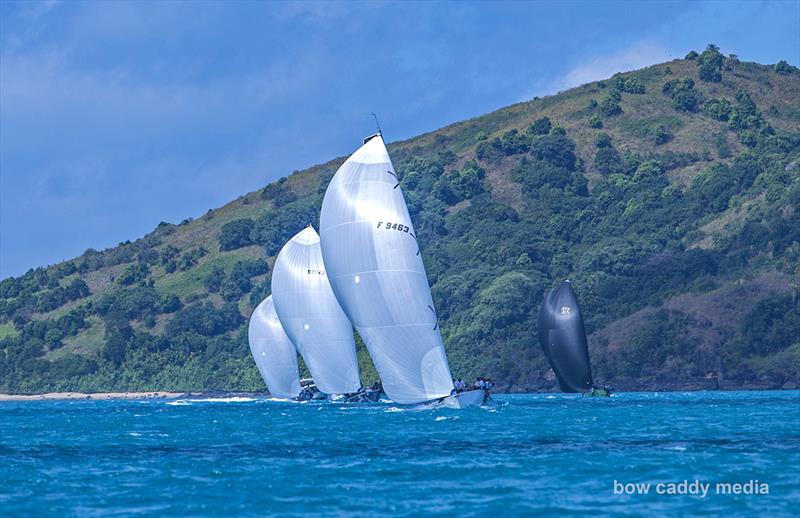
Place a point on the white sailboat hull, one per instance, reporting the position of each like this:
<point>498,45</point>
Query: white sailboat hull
<point>464,399</point>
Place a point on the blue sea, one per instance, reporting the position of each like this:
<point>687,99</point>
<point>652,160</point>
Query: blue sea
<point>547,454</point>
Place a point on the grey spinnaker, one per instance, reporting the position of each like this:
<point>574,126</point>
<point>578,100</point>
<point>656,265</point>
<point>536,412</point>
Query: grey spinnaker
<point>311,315</point>
<point>375,269</point>
<point>563,339</point>
<point>273,352</point>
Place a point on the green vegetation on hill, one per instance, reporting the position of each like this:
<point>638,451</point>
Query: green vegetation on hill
<point>669,196</point>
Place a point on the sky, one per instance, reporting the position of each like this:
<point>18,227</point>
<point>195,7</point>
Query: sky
<point>115,116</point>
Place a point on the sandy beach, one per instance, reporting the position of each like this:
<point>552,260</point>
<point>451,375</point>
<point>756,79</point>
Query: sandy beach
<point>95,395</point>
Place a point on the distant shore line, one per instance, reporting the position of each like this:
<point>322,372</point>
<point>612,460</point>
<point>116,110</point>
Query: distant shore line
<point>92,395</point>
<point>77,396</point>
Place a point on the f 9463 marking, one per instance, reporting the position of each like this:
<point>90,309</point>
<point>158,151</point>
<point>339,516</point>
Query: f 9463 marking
<point>388,225</point>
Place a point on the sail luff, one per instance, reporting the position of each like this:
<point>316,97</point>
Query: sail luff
<point>273,352</point>
<point>370,251</point>
<point>312,317</point>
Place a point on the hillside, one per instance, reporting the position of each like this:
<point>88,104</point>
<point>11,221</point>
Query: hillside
<point>668,195</point>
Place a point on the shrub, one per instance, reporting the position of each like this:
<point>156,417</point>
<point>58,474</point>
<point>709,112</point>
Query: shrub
<point>204,319</point>
<point>169,303</point>
<point>627,84</point>
<point>274,229</point>
<point>610,107</point>
<point>443,191</point>
<point>603,140</point>
<point>118,333</point>
<point>230,290</point>
<point>190,258</point>
<point>721,143</point>
<point>535,174</point>
<point>595,122</point>
<point>468,181</point>
<point>684,96</point>
<point>709,73</point>
<point>607,160</point>
<point>134,302</point>
<point>771,326</point>
<point>514,142</point>
<point>66,269</point>
<point>279,193</point>
<point>77,289</point>
<point>259,292</point>
<point>10,288</point>
<point>540,126</point>
<point>556,149</point>
<point>782,67</point>
<point>489,151</point>
<point>662,135</point>
<point>236,234</point>
<point>710,63</point>
<point>718,109</point>
<point>237,282</point>
<point>168,253</point>
<point>214,279</point>
<point>648,169</point>
<point>674,85</point>
<point>133,273</point>
<point>507,300</point>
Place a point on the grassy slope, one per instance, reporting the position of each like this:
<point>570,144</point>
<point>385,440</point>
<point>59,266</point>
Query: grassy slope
<point>777,96</point>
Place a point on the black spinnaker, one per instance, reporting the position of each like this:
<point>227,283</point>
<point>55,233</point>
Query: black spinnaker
<point>563,339</point>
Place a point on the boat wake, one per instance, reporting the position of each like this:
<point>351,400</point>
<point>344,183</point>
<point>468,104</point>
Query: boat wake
<point>235,399</point>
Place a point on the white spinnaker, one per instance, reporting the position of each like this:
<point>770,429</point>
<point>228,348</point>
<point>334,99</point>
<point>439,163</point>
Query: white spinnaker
<point>275,356</point>
<point>375,268</point>
<point>312,317</point>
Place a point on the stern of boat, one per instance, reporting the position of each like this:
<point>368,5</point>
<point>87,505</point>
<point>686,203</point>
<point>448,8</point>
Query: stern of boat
<point>465,399</point>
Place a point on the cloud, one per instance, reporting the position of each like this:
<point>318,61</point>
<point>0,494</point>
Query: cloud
<point>639,55</point>
<point>38,9</point>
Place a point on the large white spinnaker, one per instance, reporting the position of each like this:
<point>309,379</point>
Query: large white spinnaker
<point>312,317</point>
<point>274,353</point>
<point>375,269</point>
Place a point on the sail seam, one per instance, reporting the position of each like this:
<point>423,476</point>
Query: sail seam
<point>426,325</point>
<point>353,222</point>
<point>364,181</point>
<point>361,272</point>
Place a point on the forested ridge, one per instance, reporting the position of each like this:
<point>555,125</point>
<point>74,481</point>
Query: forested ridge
<point>669,197</point>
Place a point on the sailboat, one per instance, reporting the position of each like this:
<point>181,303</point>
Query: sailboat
<point>376,271</point>
<point>563,340</point>
<point>311,315</point>
<point>273,352</point>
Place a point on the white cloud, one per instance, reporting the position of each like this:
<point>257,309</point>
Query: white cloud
<point>639,55</point>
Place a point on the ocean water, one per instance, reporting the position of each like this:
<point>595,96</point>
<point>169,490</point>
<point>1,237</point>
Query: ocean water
<point>523,454</point>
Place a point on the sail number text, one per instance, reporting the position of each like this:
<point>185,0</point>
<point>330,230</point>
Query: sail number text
<point>388,225</point>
